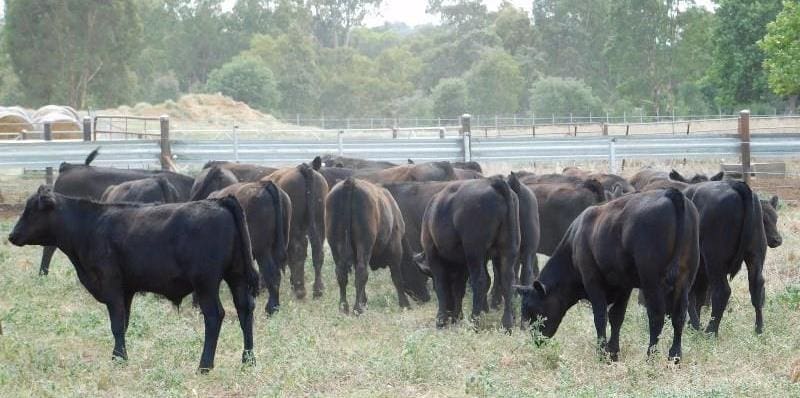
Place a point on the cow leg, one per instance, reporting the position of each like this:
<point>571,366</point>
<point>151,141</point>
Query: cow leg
<point>116,313</point>
<point>213,313</point>
<point>530,268</point>
<point>47,256</point>
<point>271,276</point>
<point>616,315</point>
<point>478,279</point>
<point>298,251</point>
<point>441,283</point>
<point>755,279</point>
<point>361,275</point>
<point>597,297</point>
<point>506,280</point>
<point>397,279</point>
<point>720,293</point>
<point>245,304</point>
<point>656,308</point>
<point>697,298</point>
<point>680,302</point>
<point>128,302</point>
<point>458,283</point>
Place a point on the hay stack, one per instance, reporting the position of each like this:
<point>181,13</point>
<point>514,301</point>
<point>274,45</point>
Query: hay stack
<point>62,119</point>
<point>14,120</point>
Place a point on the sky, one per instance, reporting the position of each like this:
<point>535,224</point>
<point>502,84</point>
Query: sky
<point>412,12</point>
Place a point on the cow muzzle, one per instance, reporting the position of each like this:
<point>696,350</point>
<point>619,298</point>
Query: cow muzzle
<point>14,238</point>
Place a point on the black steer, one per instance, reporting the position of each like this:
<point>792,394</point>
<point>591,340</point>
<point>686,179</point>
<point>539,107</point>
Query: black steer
<point>171,250</point>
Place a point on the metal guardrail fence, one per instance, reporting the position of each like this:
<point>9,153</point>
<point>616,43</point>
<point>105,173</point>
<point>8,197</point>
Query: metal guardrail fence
<point>140,153</point>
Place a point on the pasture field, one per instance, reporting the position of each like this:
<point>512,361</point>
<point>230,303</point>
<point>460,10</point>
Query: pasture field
<point>56,341</point>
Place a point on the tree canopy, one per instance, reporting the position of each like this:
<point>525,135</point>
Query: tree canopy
<point>650,56</point>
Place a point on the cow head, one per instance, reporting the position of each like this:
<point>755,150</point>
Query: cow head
<point>316,164</point>
<point>538,302</point>
<point>210,180</point>
<point>422,264</point>
<point>769,213</point>
<point>34,226</point>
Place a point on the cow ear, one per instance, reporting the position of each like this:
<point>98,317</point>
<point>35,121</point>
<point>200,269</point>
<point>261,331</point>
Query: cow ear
<point>316,164</point>
<point>718,176</point>
<point>540,288</point>
<point>674,175</point>
<point>774,202</point>
<point>410,161</point>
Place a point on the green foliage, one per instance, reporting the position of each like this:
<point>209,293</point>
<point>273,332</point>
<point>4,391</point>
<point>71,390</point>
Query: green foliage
<point>494,85</point>
<point>450,98</point>
<point>164,87</point>
<point>736,69</point>
<point>71,51</point>
<point>557,96</point>
<point>248,80</point>
<point>781,47</point>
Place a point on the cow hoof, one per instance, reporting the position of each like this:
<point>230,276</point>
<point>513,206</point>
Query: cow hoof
<point>271,310</point>
<point>759,330</point>
<point>203,371</point>
<point>344,308</point>
<point>675,359</point>
<point>613,356</point>
<point>300,293</point>
<point>248,357</point>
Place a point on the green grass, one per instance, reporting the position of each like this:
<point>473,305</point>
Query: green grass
<point>56,341</point>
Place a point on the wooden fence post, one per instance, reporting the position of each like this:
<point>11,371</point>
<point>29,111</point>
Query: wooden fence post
<point>744,137</point>
<point>340,142</point>
<point>87,128</point>
<point>466,133</point>
<point>47,135</point>
<point>166,149</point>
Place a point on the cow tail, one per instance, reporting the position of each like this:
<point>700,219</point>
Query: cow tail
<point>279,251</point>
<point>746,234</point>
<point>90,158</point>
<point>251,274</point>
<point>512,204</point>
<point>349,250</point>
<point>678,201</point>
<point>311,201</point>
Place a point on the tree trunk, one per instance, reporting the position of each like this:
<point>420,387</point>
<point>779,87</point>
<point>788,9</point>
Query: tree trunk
<point>792,105</point>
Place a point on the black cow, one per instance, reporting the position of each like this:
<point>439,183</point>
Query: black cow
<point>87,181</point>
<point>458,241</point>
<point>171,250</point>
<point>734,227</point>
<point>244,172</point>
<point>647,241</point>
<point>364,228</point>
<point>269,212</point>
<point>147,190</point>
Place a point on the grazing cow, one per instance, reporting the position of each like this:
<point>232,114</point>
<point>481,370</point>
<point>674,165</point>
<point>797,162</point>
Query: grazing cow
<point>269,211</point>
<point>210,180</point>
<point>307,190</point>
<point>734,227</point>
<point>559,205</point>
<point>243,172</point>
<point>412,198</point>
<point>365,228</point>
<point>171,250</point>
<point>147,190</point>
<point>647,241</point>
<point>354,163</point>
<point>458,241</point>
<point>87,181</point>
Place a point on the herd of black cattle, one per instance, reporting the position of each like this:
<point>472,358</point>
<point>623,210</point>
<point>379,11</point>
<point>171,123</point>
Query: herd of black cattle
<point>676,240</point>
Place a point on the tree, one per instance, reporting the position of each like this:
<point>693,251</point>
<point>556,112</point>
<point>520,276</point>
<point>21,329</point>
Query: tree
<point>494,85</point>
<point>64,50</point>
<point>248,80</point>
<point>449,98</point>
<point>558,96</point>
<point>781,47</point>
<point>513,26</point>
<point>334,19</point>
<point>736,70</point>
